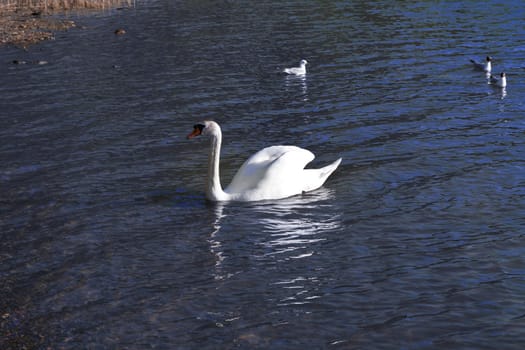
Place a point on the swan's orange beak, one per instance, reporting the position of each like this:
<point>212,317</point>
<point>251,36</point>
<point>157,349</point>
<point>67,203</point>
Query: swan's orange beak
<point>196,132</point>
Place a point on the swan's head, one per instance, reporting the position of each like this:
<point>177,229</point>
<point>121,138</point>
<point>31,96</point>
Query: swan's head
<point>304,62</point>
<point>205,128</point>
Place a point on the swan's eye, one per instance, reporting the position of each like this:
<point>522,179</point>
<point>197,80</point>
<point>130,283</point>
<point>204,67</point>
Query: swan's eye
<point>197,130</point>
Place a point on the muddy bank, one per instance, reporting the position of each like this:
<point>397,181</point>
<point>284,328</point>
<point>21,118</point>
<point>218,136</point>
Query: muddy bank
<point>27,22</point>
<point>25,27</point>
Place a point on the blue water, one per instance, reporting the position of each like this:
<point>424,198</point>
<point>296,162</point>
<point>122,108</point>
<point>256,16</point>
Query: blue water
<point>415,242</point>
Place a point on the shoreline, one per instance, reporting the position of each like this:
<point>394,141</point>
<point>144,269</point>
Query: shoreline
<point>25,25</point>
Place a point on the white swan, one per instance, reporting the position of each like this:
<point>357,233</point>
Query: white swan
<point>301,70</point>
<point>484,66</point>
<point>272,173</point>
<point>501,82</point>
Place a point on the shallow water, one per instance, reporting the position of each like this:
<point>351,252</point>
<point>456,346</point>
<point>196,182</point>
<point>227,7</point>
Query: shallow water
<point>415,242</point>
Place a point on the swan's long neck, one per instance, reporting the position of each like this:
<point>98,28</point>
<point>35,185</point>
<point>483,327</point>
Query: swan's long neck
<point>214,190</point>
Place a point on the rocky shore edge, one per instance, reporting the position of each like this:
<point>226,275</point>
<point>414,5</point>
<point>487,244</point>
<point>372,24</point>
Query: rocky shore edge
<point>23,27</point>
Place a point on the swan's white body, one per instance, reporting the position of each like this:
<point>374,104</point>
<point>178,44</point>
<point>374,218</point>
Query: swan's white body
<point>272,173</point>
<point>501,82</point>
<point>301,70</point>
<point>484,66</point>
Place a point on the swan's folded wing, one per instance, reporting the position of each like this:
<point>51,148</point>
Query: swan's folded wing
<point>269,163</point>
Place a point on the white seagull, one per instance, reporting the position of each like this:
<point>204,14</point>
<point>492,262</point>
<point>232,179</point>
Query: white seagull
<point>297,70</point>
<point>501,82</point>
<point>484,66</point>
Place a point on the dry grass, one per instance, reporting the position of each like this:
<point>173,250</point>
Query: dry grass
<point>63,5</point>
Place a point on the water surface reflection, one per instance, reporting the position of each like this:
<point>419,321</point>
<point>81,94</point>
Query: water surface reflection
<point>282,230</point>
<point>297,84</point>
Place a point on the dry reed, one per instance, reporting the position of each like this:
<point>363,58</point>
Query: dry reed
<point>58,5</point>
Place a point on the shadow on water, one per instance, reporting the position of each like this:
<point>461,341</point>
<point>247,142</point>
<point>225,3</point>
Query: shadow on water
<point>177,198</point>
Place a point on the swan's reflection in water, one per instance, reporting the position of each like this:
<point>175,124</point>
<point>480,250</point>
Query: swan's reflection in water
<point>279,232</point>
<point>295,224</point>
<point>215,243</point>
<point>297,83</point>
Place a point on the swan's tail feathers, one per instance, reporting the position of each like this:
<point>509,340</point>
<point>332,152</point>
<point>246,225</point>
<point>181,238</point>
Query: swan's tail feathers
<point>318,176</point>
<point>329,169</point>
